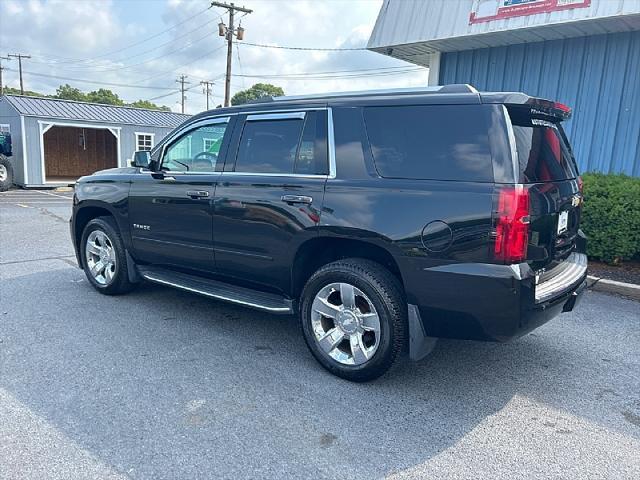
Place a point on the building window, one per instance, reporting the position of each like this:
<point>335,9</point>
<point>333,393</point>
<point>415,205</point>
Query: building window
<point>144,141</point>
<point>5,128</point>
<point>209,143</point>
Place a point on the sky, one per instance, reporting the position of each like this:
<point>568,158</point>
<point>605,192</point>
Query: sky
<point>138,48</point>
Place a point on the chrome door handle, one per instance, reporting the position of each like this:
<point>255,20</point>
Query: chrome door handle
<point>197,193</point>
<point>296,199</point>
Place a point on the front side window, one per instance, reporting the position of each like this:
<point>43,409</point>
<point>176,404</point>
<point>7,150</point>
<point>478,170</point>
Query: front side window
<point>434,142</point>
<point>195,151</point>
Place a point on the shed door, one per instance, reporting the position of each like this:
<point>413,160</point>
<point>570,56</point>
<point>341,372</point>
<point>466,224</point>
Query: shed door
<point>71,152</point>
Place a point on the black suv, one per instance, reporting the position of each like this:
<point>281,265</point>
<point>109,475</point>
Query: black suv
<point>384,219</point>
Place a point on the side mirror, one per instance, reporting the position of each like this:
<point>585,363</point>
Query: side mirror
<point>141,159</point>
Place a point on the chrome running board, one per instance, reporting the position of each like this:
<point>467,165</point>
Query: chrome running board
<point>268,302</point>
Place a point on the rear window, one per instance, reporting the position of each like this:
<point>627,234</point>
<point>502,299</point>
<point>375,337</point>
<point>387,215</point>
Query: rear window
<point>543,150</point>
<point>436,142</point>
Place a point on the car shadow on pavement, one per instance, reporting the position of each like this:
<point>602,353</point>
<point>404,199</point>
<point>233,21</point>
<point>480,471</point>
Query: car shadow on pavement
<point>164,384</point>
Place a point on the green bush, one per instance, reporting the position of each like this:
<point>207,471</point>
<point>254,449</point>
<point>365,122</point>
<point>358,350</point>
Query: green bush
<point>611,216</point>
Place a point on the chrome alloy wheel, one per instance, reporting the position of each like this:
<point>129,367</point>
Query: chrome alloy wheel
<point>101,257</point>
<point>3,173</point>
<point>345,323</point>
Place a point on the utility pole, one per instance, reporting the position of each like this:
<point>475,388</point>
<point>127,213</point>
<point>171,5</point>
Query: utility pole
<point>207,90</point>
<point>20,56</point>
<point>182,80</point>
<point>229,32</point>
<point>2,68</point>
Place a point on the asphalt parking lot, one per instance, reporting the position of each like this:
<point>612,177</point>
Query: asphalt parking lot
<point>164,384</point>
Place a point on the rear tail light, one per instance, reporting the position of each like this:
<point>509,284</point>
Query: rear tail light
<point>512,224</point>
<point>562,107</point>
<point>580,185</point>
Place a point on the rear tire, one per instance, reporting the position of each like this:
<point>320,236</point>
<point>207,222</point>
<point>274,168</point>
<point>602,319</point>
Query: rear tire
<point>362,327</point>
<point>104,259</point>
<point>6,174</point>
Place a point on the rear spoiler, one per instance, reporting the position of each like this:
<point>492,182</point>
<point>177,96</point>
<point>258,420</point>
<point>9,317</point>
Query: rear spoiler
<point>538,106</point>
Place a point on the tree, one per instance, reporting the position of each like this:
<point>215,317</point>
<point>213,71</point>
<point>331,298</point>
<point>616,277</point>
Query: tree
<point>105,96</point>
<point>257,91</point>
<point>149,105</point>
<point>16,91</point>
<point>67,92</point>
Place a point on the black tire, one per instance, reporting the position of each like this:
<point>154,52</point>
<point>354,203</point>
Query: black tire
<point>385,293</point>
<point>120,283</point>
<point>7,183</point>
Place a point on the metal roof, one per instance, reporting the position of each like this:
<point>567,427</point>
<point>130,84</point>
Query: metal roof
<point>93,112</point>
<point>412,30</point>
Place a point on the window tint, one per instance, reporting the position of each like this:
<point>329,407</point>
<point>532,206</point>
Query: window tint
<point>312,152</point>
<point>269,146</point>
<point>195,151</point>
<point>543,150</point>
<point>438,142</point>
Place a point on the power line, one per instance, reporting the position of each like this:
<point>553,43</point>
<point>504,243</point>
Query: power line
<point>89,81</point>
<point>229,33</point>
<point>183,65</point>
<point>19,56</point>
<point>182,80</point>
<point>1,69</point>
<point>77,60</point>
<point>322,77</point>
<point>164,55</point>
<point>310,49</point>
<point>207,90</point>
<point>102,68</point>
<point>357,70</point>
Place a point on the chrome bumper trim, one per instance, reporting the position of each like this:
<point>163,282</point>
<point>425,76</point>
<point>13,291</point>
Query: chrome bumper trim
<point>561,278</point>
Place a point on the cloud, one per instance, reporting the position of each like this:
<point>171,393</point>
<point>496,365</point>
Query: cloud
<point>104,41</point>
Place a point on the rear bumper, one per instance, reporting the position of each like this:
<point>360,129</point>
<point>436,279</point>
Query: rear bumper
<point>493,302</point>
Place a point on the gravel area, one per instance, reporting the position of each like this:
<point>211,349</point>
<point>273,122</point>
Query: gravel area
<point>628,272</point>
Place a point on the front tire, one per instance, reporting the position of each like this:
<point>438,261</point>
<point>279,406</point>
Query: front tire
<point>354,318</point>
<point>6,174</point>
<point>104,259</point>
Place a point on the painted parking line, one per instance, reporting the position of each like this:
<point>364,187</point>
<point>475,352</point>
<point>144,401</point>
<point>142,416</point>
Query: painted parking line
<point>34,197</point>
<point>52,194</point>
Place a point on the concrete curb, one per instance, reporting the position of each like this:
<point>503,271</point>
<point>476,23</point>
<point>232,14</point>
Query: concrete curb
<point>630,290</point>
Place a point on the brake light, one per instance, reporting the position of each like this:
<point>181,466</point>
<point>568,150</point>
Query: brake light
<point>580,185</point>
<point>562,107</point>
<point>512,224</point>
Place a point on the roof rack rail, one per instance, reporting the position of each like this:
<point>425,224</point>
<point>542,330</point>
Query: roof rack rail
<point>453,88</point>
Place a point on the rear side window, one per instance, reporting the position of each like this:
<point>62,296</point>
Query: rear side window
<point>294,143</point>
<point>543,150</point>
<point>437,142</point>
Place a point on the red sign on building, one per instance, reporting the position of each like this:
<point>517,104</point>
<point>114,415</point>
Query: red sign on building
<point>488,10</point>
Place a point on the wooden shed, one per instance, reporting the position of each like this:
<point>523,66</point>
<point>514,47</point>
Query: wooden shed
<point>57,141</point>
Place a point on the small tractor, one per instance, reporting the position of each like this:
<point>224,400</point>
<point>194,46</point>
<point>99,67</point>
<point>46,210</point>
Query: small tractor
<point>6,169</point>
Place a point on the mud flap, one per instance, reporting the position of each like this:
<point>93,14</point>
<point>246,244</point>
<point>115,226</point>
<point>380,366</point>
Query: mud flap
<point>132,269</point>
<point>574,298</point>
<point>420,345</point>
